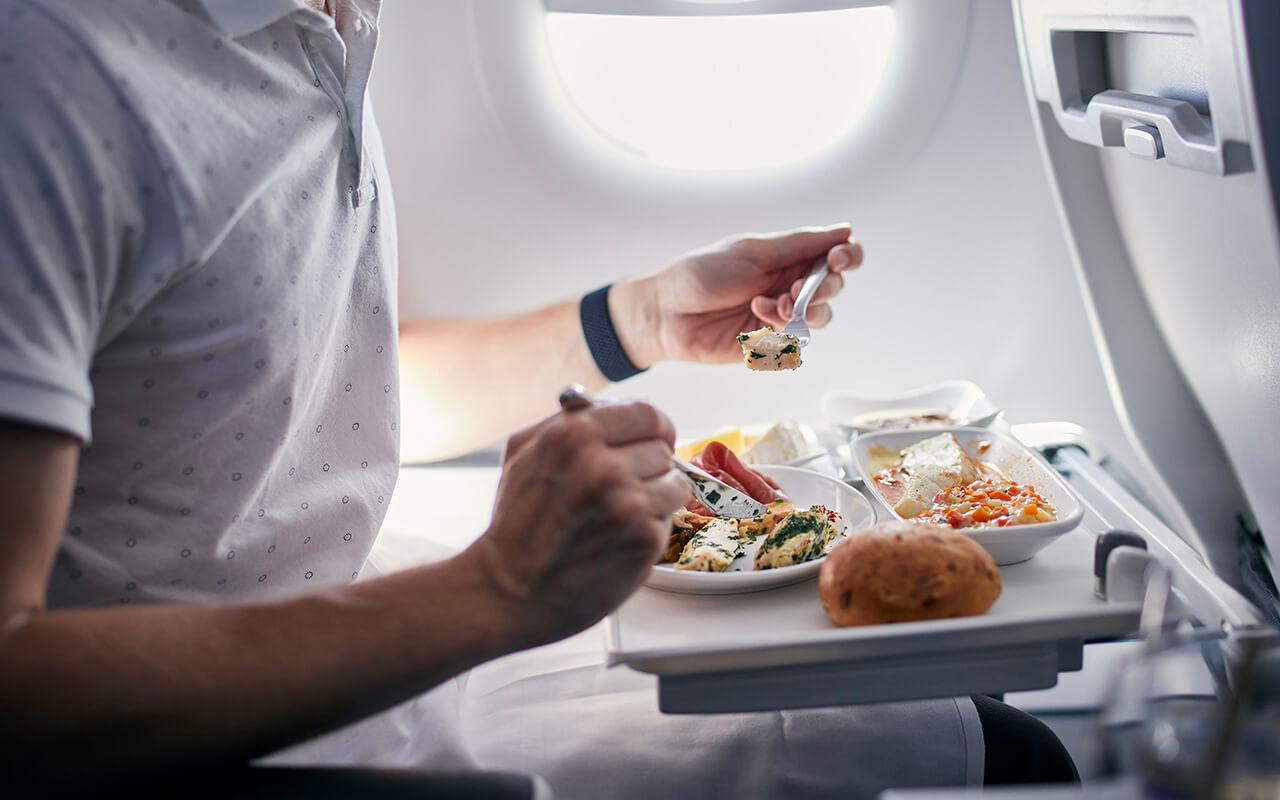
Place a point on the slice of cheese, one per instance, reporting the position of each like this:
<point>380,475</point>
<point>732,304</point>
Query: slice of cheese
<point>763,349</point>
<point>713,548</point>
<point>732,439</point>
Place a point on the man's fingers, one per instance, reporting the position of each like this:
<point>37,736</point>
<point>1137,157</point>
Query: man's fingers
<point>776,313</point>
<point>804,244</point>
<point>646,459</point>
<point>818,315</point>
<point>668,492</point>
<point>517,440</point>
<point>766,310</point>
<point>846,255</point>
<point>829,288</point>
<point>624,423</point>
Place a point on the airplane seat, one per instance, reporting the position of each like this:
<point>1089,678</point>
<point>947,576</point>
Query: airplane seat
<point>1158,130</point>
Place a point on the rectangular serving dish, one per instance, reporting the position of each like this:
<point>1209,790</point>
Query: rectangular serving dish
<point>1016,462</point>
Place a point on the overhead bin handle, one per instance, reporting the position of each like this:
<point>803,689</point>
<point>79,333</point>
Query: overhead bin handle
<point>1148,127</point>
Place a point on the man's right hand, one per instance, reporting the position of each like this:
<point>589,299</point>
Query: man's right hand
<point>583,511</point>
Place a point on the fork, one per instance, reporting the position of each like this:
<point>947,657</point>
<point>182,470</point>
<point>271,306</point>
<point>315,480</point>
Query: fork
<point>715,494</point>
<point>797,327</point>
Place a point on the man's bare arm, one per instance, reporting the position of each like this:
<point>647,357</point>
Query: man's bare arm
<point>121,690</point>
<point>465,384</point>
<point>94,693</point>
<point>468,383</point>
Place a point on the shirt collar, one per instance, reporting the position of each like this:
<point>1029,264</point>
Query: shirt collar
<point>236,18</point>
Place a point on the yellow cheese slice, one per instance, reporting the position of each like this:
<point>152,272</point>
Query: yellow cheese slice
<point>731,439</point>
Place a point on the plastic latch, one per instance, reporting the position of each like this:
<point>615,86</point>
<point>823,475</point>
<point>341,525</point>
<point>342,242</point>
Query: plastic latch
<point>1143,141</point>
<point>1102,548</point>
<point>1128,572</point>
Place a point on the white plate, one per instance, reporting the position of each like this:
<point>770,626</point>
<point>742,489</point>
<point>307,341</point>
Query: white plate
<point>805,488</point>
<point>1007,545</point>
<point>963,400</point>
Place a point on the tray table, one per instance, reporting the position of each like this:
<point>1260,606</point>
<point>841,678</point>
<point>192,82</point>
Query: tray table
<point>777,649</point>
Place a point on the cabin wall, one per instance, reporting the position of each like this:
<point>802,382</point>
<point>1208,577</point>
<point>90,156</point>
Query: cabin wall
<point>966,273</point>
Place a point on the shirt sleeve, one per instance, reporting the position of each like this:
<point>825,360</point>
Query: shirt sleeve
<point>77,175</point>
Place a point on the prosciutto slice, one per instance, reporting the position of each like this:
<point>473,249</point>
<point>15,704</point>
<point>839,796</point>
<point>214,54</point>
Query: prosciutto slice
<point>720,462</point>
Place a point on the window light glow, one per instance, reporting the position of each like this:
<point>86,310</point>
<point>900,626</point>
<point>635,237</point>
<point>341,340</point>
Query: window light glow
<point>723,92</point>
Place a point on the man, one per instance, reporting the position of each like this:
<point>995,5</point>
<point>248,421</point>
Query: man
<point>200,397</point>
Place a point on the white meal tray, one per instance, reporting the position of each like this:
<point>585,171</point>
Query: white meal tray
<point>777,649</point>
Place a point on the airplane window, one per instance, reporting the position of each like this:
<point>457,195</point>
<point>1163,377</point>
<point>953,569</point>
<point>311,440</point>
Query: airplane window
<point>719,93</point>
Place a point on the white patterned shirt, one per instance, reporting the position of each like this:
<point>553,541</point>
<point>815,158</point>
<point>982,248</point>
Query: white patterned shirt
<point>198,258</point>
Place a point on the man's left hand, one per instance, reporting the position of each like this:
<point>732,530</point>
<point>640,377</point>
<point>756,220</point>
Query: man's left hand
<point>694,309</point>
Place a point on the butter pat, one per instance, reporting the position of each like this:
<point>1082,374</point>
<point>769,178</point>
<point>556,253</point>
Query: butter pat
<point>763,349</point>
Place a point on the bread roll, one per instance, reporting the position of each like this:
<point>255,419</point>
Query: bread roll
<point>902,570</point>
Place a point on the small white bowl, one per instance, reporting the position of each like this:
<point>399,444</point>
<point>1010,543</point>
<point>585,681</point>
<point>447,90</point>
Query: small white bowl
<point>964,401</point>
<point>1007,545</point>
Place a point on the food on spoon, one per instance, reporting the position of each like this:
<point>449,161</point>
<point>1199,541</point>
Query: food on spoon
<point>799,537</point>
<point>764,349</point>
<point>935,480</point>
<point>905,570</point>
<point>713,548</point>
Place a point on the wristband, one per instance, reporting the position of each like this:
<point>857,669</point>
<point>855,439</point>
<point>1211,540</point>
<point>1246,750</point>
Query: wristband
<point>602,339</point>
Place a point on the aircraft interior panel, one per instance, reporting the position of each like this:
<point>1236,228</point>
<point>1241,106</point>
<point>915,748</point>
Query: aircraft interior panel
<point>1012,520</point>
<point>966,274</point>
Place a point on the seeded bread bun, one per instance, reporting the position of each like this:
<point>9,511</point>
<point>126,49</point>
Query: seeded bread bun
<point>901,571</point>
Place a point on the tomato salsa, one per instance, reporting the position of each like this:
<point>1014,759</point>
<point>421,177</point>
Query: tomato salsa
<point>989,503</point>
